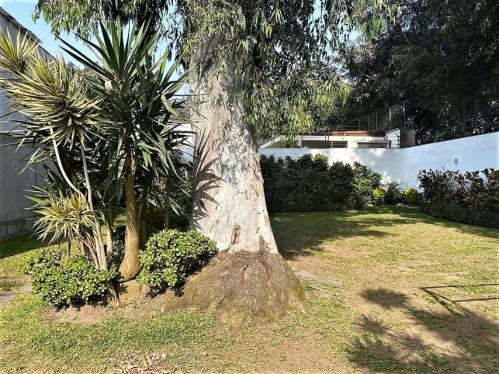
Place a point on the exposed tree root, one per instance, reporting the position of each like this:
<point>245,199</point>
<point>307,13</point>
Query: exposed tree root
<point>236,285</point>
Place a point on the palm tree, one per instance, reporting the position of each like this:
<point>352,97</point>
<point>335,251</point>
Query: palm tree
<point>103,125</point>
<point>137,91</point>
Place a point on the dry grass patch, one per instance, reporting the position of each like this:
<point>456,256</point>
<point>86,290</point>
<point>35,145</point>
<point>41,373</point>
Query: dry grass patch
<point>417,295</point>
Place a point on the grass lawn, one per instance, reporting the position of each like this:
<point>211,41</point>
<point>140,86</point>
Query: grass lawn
<point>417,295</point>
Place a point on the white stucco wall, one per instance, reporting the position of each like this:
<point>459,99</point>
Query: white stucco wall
<point>14,218</point>
<point>402,165</point>
<point>14,186</point>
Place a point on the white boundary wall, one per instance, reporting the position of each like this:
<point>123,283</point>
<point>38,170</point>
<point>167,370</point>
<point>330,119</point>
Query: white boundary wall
<point>402,165</point>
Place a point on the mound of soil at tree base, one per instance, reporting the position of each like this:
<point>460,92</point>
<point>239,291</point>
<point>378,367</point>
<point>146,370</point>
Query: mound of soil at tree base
<point>232,286</point>
<point>84,315</point>
<point>237,285</point>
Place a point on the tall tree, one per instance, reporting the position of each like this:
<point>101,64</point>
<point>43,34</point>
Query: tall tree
<point>235,50</point>
<point>442,58</point>
<point>113,123</point>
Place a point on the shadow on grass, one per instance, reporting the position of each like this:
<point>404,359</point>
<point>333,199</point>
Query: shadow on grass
<point>17,245</point>
<point>487,232</point>
<point>382,349</point>
<point>299,234</point>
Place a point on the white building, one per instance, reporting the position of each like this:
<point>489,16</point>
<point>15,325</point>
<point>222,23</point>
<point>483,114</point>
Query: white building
<point>341,139</point>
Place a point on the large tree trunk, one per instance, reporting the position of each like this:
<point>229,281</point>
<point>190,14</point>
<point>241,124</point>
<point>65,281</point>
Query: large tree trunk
<point>250,276</point>
<point>130,266</point>
<point>229,200</point>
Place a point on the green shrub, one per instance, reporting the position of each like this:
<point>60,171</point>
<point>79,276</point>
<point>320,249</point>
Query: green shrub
<point>411,196</point>
<point>341,184</point>
<point>393,194</point>
<point>463,215</point>
<point>474,189</point>
<point>310,184</point>
<point>378,196</point>
<point>365,181</point>
<point>470,197</point>
<point>62,281</point>
<point>171,255</point>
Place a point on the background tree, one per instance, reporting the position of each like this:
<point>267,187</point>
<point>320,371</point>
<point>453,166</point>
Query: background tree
<point>234,50</point>
<point>441,58</point>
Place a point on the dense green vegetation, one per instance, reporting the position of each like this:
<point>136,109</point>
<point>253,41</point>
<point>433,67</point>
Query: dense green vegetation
<point>110,132</point>
<point>170,256</point>
<point>441,58</point>
<point>309,183</point>
<point>280,51</point>
<point>470,197</point>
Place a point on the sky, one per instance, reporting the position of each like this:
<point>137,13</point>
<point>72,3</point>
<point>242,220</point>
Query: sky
<point>22,11</point>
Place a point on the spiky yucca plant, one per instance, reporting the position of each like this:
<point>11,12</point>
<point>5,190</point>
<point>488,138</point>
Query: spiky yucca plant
<point>59,110</point>
<point>109,128</point>
<point>64,219</point>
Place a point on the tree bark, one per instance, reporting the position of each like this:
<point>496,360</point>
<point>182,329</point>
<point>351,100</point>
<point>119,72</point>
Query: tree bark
<point>130,266</point>
<point>229,200</point>
<point>249,276</point>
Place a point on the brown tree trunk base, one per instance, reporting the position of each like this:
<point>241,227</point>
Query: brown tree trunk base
<point>241,284</point>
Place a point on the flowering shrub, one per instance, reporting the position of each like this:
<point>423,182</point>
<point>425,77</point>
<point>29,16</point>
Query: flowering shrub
<point>470,197</point>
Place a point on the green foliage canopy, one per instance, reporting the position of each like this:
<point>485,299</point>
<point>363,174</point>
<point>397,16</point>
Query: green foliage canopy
<point>274,44</point>
<point>442,58</point>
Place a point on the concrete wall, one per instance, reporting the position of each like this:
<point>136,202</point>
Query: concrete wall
<point>352,140</point>
<point>14,219</point>
<point>402,165</point>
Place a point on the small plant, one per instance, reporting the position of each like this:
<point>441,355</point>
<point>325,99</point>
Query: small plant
<point>63,281</point>
<point>393,194</point>
<point>411,196</point>
<point>309,183</point>
<point>378,196</point>
<point>171,255</point>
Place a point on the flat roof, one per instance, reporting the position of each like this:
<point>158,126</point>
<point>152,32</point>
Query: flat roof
<point>348,133</point>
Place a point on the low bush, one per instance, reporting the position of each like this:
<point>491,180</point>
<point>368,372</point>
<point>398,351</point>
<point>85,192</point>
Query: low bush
<point>310,184</point>
<point>171,255</point>
<point>63,281</point>
<point>470,197</point>
<point>411,196</point>
<point>378,196</point>
<point>393,194</point>
<point>463,215</point>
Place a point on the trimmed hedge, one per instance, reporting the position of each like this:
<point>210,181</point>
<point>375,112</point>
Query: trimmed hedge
<point>310,184</point>
<point>462,215</point>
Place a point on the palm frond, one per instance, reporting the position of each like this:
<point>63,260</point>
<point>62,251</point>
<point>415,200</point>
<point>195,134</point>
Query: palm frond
<point>16,53</point>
